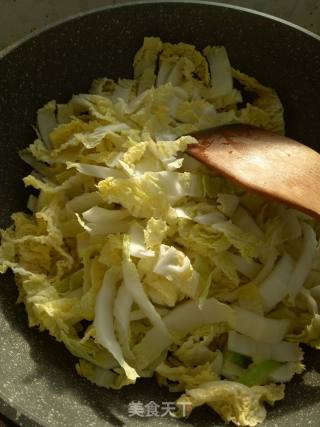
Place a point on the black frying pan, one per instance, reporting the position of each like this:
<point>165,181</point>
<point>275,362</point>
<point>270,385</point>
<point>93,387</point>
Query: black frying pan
<point>38,384</point>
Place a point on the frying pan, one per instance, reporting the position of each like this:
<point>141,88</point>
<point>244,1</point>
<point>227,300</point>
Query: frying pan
<point>38,384</point>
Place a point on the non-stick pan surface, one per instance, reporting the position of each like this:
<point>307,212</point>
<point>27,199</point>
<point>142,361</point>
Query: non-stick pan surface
<point>38,384</point>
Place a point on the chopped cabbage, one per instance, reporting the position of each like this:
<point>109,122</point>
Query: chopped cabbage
<point>143,262</point>
<point>233,401</point>
<point>105,335</point>
<point>258,350</point>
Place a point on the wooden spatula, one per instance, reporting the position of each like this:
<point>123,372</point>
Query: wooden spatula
<point>263,162</point>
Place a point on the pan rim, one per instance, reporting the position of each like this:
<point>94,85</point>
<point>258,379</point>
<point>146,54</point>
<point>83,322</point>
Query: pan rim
<point>12,46</point>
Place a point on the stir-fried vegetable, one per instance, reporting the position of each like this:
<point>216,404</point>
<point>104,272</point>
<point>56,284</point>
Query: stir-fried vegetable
<point>143,262</point>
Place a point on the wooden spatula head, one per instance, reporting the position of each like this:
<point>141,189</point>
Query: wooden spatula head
<point>264,162</point>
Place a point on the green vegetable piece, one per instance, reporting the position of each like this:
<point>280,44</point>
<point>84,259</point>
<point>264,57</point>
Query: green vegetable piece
<point>238,359</point>
<point>258,374</point>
